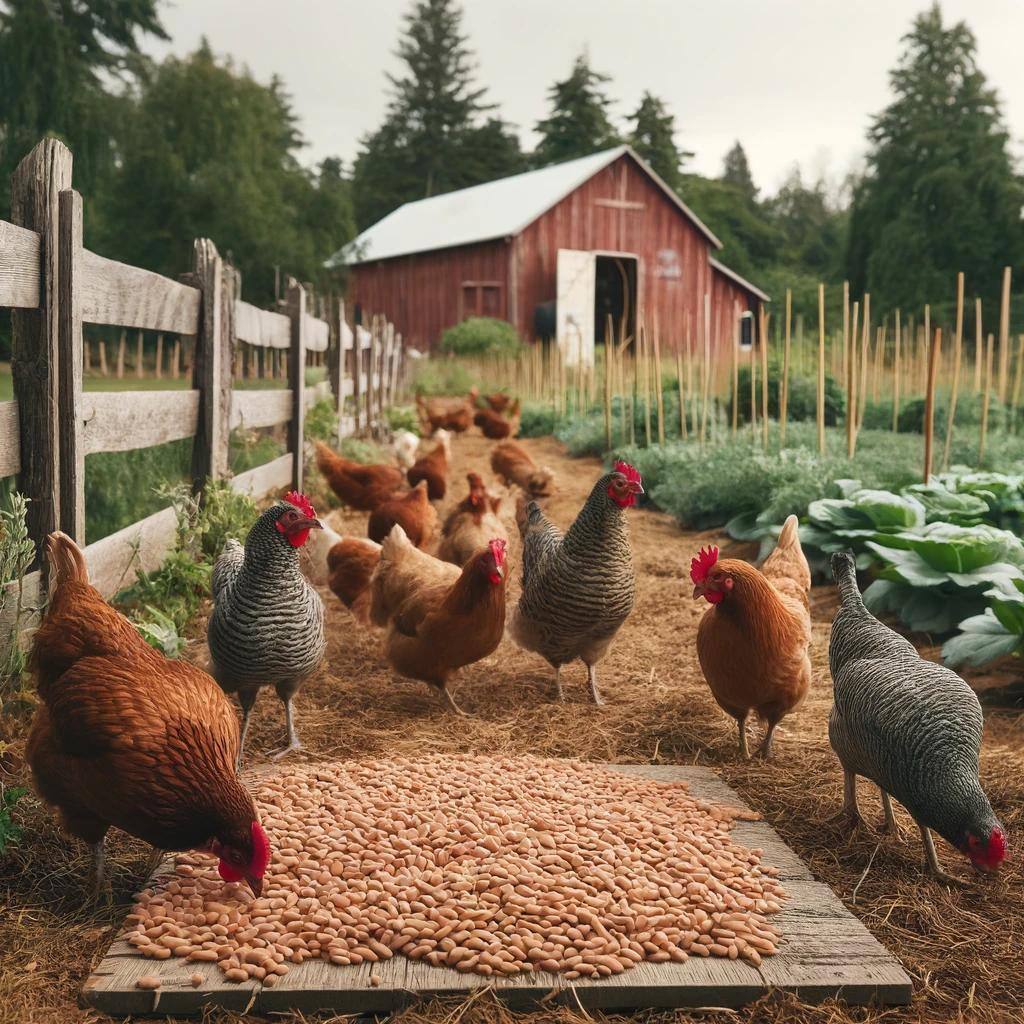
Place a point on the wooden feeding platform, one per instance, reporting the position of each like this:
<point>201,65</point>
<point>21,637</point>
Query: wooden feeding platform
<point>825,951</point>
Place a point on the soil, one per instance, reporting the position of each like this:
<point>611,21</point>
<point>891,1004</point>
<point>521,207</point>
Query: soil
<point>961,945</point>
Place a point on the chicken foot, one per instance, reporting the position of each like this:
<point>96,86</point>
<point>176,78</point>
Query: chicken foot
<point>559,696</point>
<point>931,860</point>
<point>592,681</point>
<point>293,735</point>
<point>447,694</point>
<point>765,750</point>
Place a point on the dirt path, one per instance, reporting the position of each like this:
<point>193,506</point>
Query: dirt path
<point>962,947</point>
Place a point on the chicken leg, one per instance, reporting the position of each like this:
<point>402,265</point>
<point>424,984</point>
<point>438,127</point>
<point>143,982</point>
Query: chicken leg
<point>931,860</point>
<point>559,696</point>
<point>293,736</point>
<point>889,826</point>
<point>99,883</point>
<point>592,680</point>
<point>247,700</point>
<point>446,693</point>
<point>765,750</point>
<point>744,749</point>
<point>850,808</point>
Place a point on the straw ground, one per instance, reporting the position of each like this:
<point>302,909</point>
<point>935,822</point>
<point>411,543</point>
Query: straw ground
<point>962,947</point>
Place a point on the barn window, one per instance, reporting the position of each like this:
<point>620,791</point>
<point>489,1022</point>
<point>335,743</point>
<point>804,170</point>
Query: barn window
<point>747,331</point>
<point>481,298</point>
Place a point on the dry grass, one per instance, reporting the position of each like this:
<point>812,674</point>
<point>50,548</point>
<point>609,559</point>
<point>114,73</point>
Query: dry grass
<point>962,947</point>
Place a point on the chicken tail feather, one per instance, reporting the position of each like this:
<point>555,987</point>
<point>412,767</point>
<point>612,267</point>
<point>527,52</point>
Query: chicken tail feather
<point>67,561</point>
<point>789,536</point>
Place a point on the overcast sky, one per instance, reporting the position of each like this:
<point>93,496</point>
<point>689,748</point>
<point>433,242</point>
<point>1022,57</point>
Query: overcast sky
<point>796,81</point>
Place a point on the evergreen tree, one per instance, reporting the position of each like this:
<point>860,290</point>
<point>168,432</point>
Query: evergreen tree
<point>55,57</point>
<point>810,229</point>
<point>736,171</point>
<point>436,136</point>
<point>578,124</point>
<point>940,194</point>
<point>653,138</point>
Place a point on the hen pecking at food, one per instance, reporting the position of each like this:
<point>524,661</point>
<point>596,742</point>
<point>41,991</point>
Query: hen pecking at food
<point>412,511</point>
<point>513,464</point>
<point>578,588</point>
<point>126,738</point>
<point>471,524</point>
<point>497,426</point>
<point>267,625</point>
<point>358,486</point>
<point>912,727</point>
<point>433,467</point>
<point>350,565</point>
<point>439,618</point>
<point>753,641</point>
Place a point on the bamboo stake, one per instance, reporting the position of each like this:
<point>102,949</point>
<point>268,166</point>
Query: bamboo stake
<point>851,386</point>
<point>846,331</point>
<point>682,397</point>
<point>821,368</point>
<point>139,369</point>
<point>878,364</point>
<point>159,356</point>
<point>957,343</point>
<point>645,348</point>
<point>929,402</point>
<point>763,331</point>
<point>896,378</point>
<point>862,399</point>
<point>784,384</point>
<point>979,345</point>
<point>120,356</point>
<point>735,367</point>
<point>657,385</point>
<point>985,399</point>
<point>609,357</point>
<point>753,392</point>
<point>1004,335</point>
<point>1017,374</point>
<point>690,392</point>
<point>103,358</point>
<point>707,366</point>
<point>175,359</point>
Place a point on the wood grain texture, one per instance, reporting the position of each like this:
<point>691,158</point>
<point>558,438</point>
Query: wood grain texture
<point>261,327</point>
<point>32,601</point>
<point>316,333</point>
<point>825,951</point>
<point>115,561</point>
<point>296,301</point>
<point>10,439</point>
<point>19,267</point>
<point>123,421</point>
<point>115,293</point>
<point>265,408</point>
<point>263,480</point>
<point>69,379</point>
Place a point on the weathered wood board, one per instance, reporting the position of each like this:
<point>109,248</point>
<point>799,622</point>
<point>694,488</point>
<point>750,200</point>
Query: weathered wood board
<point>825,952</point>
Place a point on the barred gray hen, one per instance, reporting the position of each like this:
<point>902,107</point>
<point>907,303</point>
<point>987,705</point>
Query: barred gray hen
<point>267,626</point>
<point>578,588</point>
<point>911,726</point>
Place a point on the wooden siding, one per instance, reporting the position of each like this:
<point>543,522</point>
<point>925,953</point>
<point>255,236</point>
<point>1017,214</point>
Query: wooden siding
<point>619,210</point>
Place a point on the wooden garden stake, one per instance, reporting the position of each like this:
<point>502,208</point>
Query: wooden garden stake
<point>862,398</point>
<point>657,385</point>
<point>979,345</point>
<point>735,366</point>
<point>139,368</point>
<point>645,347</point>
<point>929,403</point>
<point>957,345</point>
<point>821,368</point>
<point>159,356</point>
<point>707,367</point>
<point>985,398</point>
<point>609,358</point>
<point>103,358</point>
<point>763,332</point>
<point>851,386</point>
<point>682,397</point>
<point>784,385</point>
<point>1004,334</point>
<point>896,377</point>
<point>1017,374</point>
<point>120,356</point>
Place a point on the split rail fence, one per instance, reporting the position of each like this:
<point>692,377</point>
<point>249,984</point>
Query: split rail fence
<point>53,285</point>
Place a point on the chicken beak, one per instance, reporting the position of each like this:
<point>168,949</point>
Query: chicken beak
<point>698,591</point>
<point>255,884</point>
<point>635,487</point>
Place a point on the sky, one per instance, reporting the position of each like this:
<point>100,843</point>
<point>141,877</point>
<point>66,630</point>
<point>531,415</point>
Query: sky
<point>796,81</point>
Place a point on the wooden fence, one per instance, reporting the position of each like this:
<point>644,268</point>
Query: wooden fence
<point>53,285</point>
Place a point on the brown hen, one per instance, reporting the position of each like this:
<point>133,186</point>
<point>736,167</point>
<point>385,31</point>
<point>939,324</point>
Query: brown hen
<point>358,486</point>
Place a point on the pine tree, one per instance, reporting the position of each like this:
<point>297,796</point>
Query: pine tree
<point>578,124</point>
<point>653,138</point>
<point>437,135</point>
<point>736,171</point>
<point>940,194</point>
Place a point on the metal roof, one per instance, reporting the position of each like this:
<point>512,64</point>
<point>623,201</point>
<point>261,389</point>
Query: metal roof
<point>495,209</point>
<point>741,281</point>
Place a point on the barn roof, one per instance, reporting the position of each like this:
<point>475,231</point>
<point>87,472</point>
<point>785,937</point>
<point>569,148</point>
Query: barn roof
<point>495,209</point>
<point>741,281</point>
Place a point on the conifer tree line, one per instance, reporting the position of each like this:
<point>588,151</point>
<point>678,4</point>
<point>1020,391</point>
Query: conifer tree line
<point>195,146</point>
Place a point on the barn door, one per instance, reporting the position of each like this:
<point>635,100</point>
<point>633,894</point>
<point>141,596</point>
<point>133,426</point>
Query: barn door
<point>575,306</point>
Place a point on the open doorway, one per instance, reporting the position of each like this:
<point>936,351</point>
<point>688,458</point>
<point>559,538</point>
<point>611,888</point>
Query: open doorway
<point>614,296</point>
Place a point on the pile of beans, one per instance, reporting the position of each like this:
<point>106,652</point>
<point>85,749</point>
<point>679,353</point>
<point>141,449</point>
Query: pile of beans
<point>495,866</point>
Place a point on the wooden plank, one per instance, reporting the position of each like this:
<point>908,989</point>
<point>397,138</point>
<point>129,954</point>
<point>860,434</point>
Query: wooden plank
<point>115,561</point>
<point>263,408</point>
<point>116,293</point>
<point>261,327</point>
<point>32,601</point>
<point>10,440</point>
<point>121,421</point>
<point>297,379</point>
<point>825,951</point>
<point>317,333</point>
<point>263,480</point>
<point>19,267</point>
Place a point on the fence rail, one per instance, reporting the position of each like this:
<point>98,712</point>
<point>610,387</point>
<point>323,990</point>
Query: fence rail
<point>53,285</point>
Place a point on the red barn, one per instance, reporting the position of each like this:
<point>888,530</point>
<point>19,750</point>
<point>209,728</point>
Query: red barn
<point>555,251</point>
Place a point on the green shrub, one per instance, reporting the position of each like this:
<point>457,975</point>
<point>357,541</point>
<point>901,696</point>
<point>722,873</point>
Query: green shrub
<point>176,589</point>
<point>16,555</point>
<point>248,449</point>
<point>321,423</point>
<point>10,831</point>
<point>441,377</point>
<point>480,336</point>
<point>403,417</point>
<point>802,403</point>
<point>225,514</point>
<point>537,420</point>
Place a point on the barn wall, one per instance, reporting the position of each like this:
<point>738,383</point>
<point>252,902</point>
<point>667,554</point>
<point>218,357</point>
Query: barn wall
<point>422,294</point>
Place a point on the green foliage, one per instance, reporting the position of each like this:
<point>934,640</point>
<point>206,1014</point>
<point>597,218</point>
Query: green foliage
<point>403,417</point>
<point>941,194</point>
<point>225,514</point>
<point>358,449</point>
<point>736,172</point>
<point>578,124</point>
<point>248,449</point>
<point>653,139</point>
<point>481,335</point>
<point>176,590</point>
<point>321,422</point>
<point>16,555</point>
<point>537,420</point>
<point>995,633</point>
<point>802,404</point>
<point>10,831</point>
<point>438,133</point>
<point>441,377</point>
<point>160,631</point>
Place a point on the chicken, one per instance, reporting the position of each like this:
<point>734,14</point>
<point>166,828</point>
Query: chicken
<point>513,464</point>
<point>753,641</point>
<point>350,565</point>
<point>126,738</point>
<point>412,511</point>
<point>358,486</point>
<point>267,624</point>
<point>471,524</point>
<point>579,588</point>
<point>496,426</point>
<point>439,618</point>
<point>405,444</point>
<point>433,467</point>
<point>498,401</point>
<point>454,414</point>
<point>912,727</point>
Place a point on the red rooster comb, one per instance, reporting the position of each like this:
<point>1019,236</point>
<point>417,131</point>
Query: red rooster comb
<point>301,502</point>
<point>260,849</point>
<point>631,473</point>
<point>498,547</point>
<point>701,565</point>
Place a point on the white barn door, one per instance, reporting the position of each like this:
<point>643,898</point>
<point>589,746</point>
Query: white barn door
<point>575,306</point>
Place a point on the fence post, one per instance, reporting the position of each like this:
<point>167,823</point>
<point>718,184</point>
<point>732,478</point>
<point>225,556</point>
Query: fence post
<point>211,367</point>
<point>69,349</point>
<point>35,186</point>
<point>371,370</point>
<point>357,369</point>
<point>336,364</point>
<point>296,303</point>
